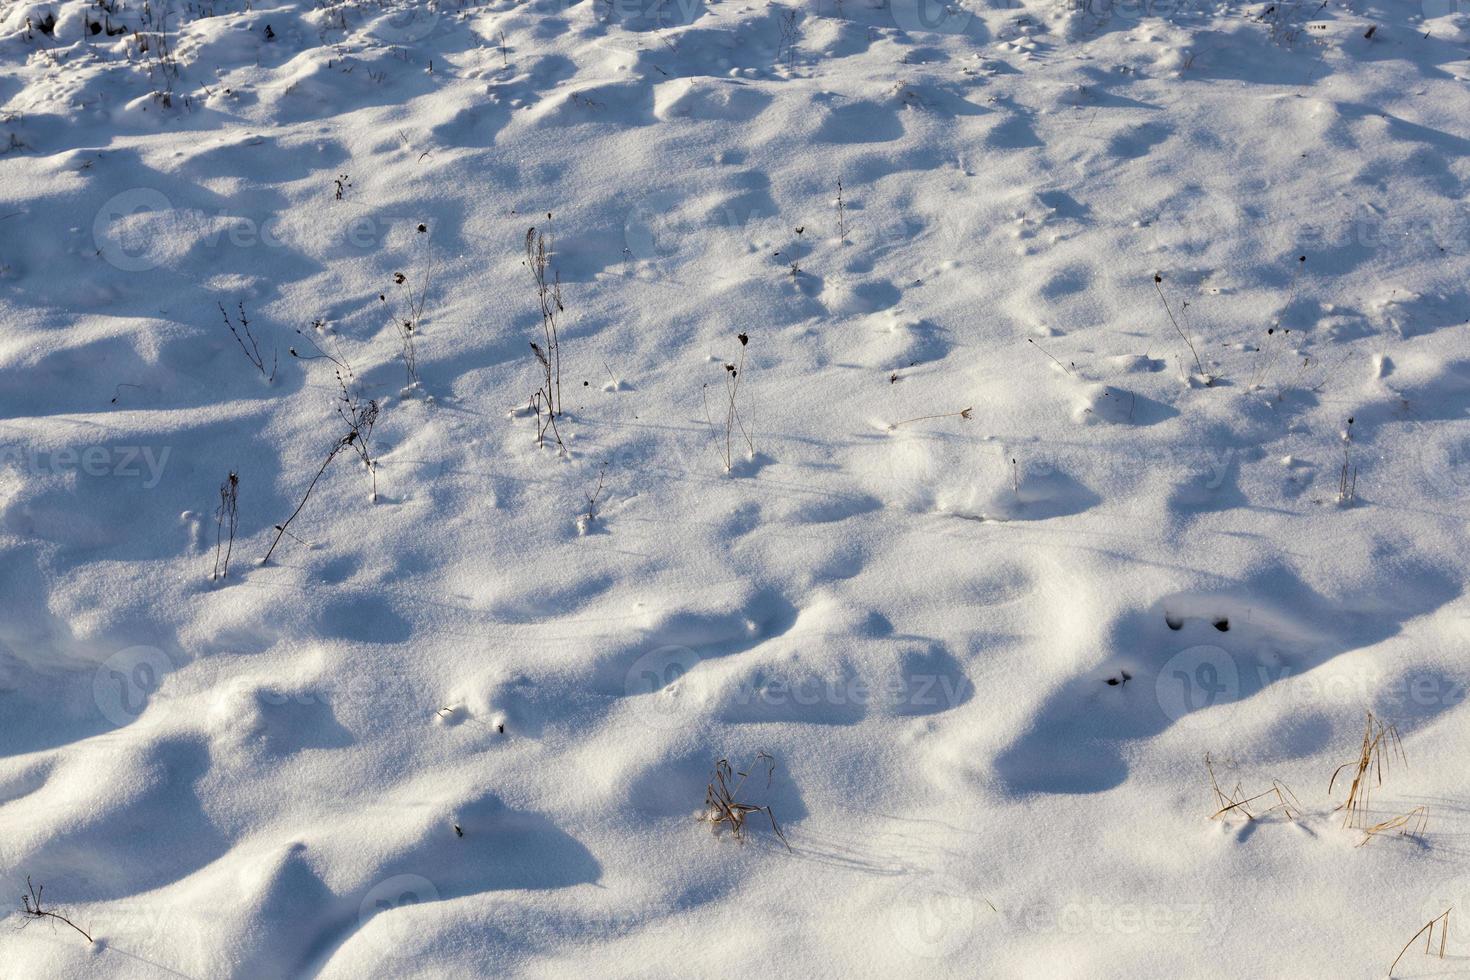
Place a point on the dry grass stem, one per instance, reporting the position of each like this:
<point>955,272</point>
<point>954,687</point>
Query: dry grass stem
<point>1427,931</point>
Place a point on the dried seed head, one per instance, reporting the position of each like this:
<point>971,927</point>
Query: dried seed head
<point>422,228</point>
<point>399,278</point>
<point>1158,278</point>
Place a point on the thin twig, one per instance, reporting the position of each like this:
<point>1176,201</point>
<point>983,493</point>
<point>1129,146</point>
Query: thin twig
<point>1185,337</point>
<point>963,413</point>
<point>1049,354</point>
<point>31,908</point>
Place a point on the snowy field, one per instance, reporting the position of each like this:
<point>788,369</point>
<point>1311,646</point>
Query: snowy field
<point>1026,441</point>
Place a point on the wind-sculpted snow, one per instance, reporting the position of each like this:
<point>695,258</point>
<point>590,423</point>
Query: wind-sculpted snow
<point>965,420</point>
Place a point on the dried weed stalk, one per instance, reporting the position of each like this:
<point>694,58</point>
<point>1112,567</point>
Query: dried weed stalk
<point>246,339</point>
<point>32,909</point>
<point>360,417</point>
<point>733,375</point>
<point>407,315</point>
<point>224,522</point>
<point>546,401</point>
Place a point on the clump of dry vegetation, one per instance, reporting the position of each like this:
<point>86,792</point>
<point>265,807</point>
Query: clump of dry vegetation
<point>1239,803</point>
<point>1379,747</point>
<point>722,803</point>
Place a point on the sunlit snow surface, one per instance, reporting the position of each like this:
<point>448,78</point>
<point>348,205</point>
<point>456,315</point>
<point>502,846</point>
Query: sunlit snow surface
<point>465,729</point>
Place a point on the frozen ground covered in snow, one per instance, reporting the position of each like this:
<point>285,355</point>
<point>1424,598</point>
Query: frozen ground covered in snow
<point>1012,535</point>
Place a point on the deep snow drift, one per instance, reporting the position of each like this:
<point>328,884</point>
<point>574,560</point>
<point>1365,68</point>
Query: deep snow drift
<point>1012,536</point>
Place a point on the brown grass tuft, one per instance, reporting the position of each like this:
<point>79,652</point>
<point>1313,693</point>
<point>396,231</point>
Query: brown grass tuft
<point>1380,744</point>
<point>1236,801</point>
<point>721,803</point>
